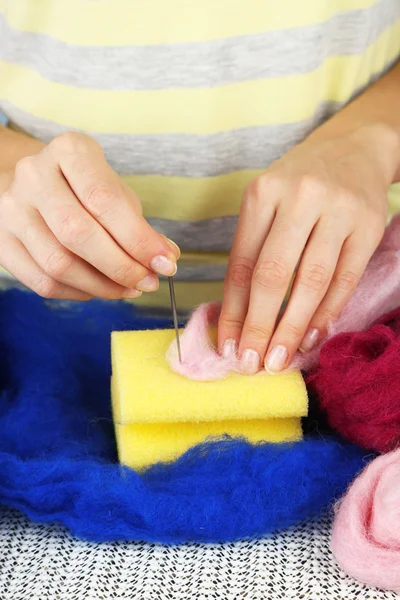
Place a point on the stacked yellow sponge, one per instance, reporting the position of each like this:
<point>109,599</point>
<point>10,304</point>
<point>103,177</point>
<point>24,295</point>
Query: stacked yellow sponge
<point>158,415</point>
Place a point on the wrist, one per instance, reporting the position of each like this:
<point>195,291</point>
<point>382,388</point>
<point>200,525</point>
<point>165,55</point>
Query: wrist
<point>382,142</point>
<point>378,140</point>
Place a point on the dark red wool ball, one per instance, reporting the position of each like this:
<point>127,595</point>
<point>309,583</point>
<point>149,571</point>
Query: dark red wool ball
<point>358,384</point>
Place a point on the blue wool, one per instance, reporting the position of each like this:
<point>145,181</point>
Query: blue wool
<point>58,456</point>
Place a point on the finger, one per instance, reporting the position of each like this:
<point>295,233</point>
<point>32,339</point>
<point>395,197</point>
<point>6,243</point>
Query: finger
<point>313,277</point>
<point>15,258</point>
<point>80,233</point>
<point>60,264</point>
<point>255,220</point>
<point>271,279</point>
<point>356,253</point>
<point>113,205</point>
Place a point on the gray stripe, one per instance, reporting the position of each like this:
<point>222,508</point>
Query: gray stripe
<point>199,272</point>
<point>209,235</point>
<point>187,155</point>
<point>202,64</point>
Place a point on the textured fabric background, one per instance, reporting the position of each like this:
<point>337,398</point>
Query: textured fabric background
<point>44,563</point>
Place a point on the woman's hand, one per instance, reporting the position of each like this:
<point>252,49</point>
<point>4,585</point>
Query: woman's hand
<point>70,229</point>
<point>323,208</point>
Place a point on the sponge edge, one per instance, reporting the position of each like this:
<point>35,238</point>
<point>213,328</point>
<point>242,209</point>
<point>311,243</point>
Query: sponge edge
<point>146,390</point>
<point>141,445</point>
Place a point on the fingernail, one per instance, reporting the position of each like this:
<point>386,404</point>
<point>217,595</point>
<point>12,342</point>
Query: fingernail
<point>163,266</point>
<point>174,246</point>
<point>250,362</point>
<point>229,349</point>
<point>131,294</point>
<point>148,284</point>
<point>310,340</point>
<point>276,359</point>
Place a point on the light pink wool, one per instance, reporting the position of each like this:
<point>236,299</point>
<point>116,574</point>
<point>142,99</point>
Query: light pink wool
<point>377,293</point>
<point>200,359</point>
<point>366,531</point>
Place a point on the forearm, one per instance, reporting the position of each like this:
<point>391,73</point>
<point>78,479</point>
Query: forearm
<point>13,147</point>
<point>375,112</point>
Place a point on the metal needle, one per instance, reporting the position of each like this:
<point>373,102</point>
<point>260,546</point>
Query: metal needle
<point>174,315</point>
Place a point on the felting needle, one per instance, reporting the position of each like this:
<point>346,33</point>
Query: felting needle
<point>174,315</point>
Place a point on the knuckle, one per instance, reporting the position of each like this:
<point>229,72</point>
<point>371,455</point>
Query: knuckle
<point>26,168</point>
<point>347,281</point>
<point>272,273</point>
<point>231,322</point>
<point>241,273</point>
<point>292,331</point>
<point>252,191</point>
<point>260,188</point>
<point>348,203</point>
<point>124,273</point>
<point>310,185</point>
<point>101,200</point>
<point>138,244</point>
<point>46,287</point>
<point>74,231</point>
<point>327,315</point>
<point>57,264</point>
<point>72,142</point>
<point>315,277</point>
<point>258,333</point>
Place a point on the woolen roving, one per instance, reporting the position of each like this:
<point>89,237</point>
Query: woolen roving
<point>201,360</point>
<point>366,531</point>
<point>358,384</point>
<point>58,455</point>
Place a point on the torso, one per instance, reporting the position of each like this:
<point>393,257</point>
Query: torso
<point>190,100</point>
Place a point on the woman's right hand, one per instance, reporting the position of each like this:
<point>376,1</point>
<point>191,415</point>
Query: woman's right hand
<point>70,229</point>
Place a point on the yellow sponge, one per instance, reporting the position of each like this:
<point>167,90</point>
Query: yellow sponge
<point>158,414</point>
<point>140,445</point>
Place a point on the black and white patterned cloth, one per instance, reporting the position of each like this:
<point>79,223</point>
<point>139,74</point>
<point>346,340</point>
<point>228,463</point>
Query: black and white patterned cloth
<point>39,562</point>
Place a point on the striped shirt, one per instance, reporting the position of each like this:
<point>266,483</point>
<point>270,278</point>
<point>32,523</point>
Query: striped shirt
<point>190,100</point>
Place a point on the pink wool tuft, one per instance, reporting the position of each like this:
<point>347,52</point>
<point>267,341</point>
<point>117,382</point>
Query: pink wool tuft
<point>377,293</point>
<point>200,358</point>
<point>366,531</point>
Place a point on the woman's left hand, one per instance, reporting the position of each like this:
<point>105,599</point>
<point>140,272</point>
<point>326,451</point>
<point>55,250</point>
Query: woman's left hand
<point>321,208</point>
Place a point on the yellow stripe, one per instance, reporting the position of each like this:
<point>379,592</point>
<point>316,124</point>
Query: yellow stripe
<point>184,199</point>
<point>124,22</point>
<point>191,199</point>
<point>192,111</point>
<point>188,295</point>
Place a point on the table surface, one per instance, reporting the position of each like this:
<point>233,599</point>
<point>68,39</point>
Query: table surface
<point>47,563</point>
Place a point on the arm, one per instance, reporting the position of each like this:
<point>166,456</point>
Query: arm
<point>376,112</point>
